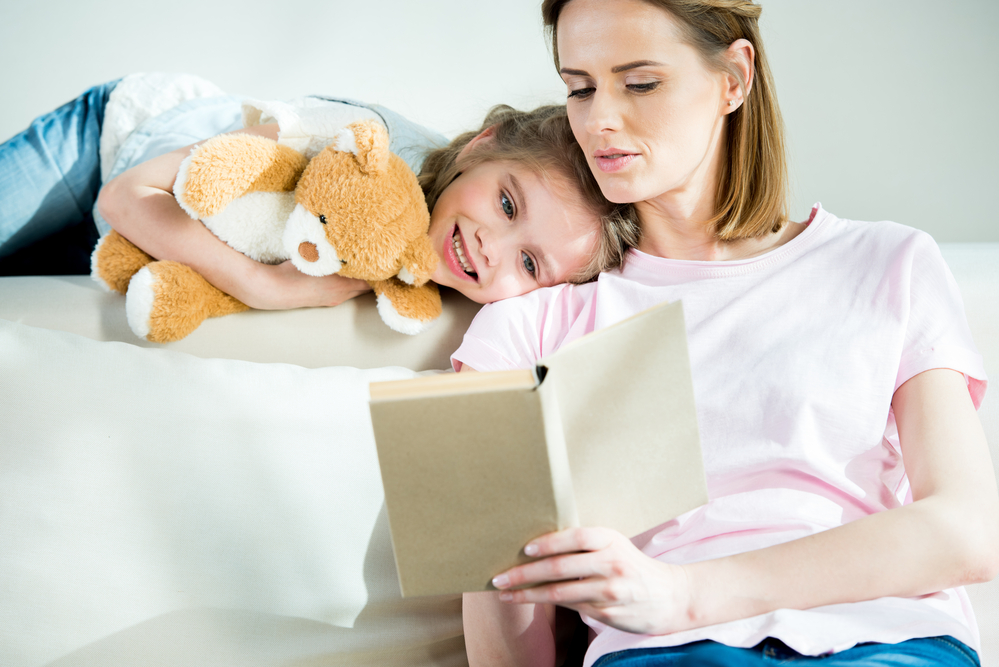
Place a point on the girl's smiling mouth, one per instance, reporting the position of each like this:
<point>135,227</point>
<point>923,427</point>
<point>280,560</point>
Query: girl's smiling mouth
<point>457,259</point>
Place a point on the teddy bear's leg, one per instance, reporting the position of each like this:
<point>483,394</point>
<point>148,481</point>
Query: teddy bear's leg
<point>231,165</point>
<point>407,309</point>
<point>114,261</point>
<point>168,300</point>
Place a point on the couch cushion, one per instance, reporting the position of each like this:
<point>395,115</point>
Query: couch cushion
<point>160,508</point>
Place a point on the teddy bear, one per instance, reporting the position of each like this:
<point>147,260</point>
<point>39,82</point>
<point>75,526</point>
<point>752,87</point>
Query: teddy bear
<point>355,209</point>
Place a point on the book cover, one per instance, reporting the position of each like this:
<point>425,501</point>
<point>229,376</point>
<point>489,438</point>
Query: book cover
<point>602,433</point>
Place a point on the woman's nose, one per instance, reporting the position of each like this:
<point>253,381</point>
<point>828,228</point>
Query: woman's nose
<point>604,113</point>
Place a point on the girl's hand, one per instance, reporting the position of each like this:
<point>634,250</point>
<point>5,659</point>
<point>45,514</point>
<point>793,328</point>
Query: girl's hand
<point>600,573</point>
<point>282,286</point>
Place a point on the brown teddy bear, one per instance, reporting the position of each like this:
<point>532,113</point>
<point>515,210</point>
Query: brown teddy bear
<point>355,209</point>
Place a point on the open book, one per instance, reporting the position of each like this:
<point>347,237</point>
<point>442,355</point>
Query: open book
<point>475,465</point>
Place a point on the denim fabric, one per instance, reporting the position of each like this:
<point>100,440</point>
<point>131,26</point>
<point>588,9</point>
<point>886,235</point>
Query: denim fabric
<point>50,173</point>
<point>927,652</point>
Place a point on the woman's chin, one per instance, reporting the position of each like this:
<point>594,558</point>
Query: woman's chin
<point>619,191</point>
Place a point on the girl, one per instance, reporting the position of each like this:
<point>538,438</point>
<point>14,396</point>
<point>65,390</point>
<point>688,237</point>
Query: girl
<point>852,492</point>
<point>513,205</point>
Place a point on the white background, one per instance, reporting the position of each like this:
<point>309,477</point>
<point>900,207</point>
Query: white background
<point>890,104</point>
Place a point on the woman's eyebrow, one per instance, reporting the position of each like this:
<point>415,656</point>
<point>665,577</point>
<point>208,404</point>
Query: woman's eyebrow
<point>635,64</point>
<point>614,70</point>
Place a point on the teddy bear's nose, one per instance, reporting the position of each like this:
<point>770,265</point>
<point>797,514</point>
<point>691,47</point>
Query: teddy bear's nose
<point>308,251</point>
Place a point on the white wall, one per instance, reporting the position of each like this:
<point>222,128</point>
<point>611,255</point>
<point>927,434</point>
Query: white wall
<point>888,103</point>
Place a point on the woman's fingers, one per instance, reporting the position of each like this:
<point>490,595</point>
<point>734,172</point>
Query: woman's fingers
<point>571,540</point>
<point>576,553</point>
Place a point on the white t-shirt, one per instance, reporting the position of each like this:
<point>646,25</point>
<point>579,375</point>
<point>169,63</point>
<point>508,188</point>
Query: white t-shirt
<point>795,356</point>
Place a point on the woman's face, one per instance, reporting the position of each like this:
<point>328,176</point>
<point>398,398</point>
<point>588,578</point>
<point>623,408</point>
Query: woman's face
<point>502,230</point>
<point>647,111</point>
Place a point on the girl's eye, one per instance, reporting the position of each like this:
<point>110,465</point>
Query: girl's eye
<point>528,263</point>
<point>507,205</point>
<point>581,93</point>
<point>643,87</point>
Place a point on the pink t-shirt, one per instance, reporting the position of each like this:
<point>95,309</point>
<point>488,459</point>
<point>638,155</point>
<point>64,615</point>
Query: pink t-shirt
<point>795,355</point>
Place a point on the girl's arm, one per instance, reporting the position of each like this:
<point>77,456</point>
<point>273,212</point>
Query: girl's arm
<point>139,204</point>
<point>949,536</point>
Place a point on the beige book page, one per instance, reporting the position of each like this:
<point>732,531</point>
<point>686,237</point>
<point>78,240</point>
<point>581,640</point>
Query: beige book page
<point>469,480</point>
<point>627,404</point>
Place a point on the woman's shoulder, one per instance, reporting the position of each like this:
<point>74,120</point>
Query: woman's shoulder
<point>866,241</point>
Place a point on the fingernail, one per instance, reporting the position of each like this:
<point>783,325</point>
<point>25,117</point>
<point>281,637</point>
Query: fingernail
<point>532,550</point>
<point>506,597</point>
<point>501,581</point>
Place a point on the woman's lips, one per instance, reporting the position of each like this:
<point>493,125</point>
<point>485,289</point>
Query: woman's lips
<point>451,256</point>
<point>613,159</point>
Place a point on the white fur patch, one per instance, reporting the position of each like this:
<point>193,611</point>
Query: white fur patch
<point>254,225</point>
<point>345,141</point>
<point>406,277</point>
<point>397,322</point>
<point>180,186</point>
<point>139,301</point>
<point>303,227</point>
<point>93,265</point>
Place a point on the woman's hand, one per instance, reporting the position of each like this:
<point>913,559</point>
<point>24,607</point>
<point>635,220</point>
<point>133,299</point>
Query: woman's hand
<point>282,286</point>
<point>600,573</point>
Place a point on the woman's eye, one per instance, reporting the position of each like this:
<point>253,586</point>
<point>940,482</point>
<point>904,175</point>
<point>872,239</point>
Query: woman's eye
<point>643,87</point>
<point>528,263</point>
<point>581,93</point>
<point>507,205</point>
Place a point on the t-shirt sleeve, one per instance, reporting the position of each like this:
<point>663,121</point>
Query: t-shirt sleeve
<point>937,334</point>
<point>505,335</point>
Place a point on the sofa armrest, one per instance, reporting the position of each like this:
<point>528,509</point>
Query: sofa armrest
<point>351,334</point>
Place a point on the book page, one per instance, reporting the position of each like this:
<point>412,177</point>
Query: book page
<point>470,479</point>
<point>627,404</point>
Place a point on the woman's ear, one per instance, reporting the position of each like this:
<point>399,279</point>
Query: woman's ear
<point>482,138</point>
<point>742,57</point>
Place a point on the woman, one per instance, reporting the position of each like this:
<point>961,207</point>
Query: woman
<point>851,488</point>
<point>513,206</point>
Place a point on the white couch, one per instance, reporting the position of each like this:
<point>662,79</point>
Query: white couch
<point>158,508</point>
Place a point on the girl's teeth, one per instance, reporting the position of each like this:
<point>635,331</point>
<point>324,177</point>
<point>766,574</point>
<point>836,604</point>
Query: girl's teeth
<point>460,251</point>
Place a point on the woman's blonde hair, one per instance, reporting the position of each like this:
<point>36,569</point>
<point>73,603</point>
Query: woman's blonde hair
<point>542,141</point>
<point>752,197</point>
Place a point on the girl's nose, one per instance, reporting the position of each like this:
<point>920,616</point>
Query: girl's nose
<point>492,244</point>
<point>604,114</point>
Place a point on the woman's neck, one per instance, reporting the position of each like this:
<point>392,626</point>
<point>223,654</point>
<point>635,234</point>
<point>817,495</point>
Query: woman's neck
<point>676,231</point>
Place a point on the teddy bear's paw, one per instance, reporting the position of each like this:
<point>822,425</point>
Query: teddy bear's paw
<point>231,165</point>
<point>166,301</point>
<point>408,310</point>
<point>114,261</point>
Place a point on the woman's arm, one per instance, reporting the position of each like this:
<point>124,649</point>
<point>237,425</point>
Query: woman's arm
<point>139,204</point>
<point>949,536</point>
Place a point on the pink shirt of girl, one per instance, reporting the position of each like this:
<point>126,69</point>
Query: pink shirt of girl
<point>795,356</point>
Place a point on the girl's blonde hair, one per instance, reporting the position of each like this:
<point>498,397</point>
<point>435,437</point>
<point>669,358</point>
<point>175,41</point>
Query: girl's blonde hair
<point>541,140</point>
<point>752,197</point>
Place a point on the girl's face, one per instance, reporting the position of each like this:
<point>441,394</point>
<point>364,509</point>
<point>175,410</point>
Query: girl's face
<point>647,111</point>
<point>502,230</point>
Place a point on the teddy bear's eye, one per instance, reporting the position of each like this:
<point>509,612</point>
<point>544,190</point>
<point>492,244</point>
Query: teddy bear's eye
<point>322,219</point>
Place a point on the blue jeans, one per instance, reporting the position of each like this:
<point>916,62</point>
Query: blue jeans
<point>927,652</point>
<point>49,178</point>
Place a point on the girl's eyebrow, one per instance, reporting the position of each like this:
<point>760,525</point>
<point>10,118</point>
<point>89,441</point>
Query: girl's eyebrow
<point>518,196</point>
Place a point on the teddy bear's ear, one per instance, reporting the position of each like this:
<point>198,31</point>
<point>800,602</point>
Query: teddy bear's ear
<point>368,141</point>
